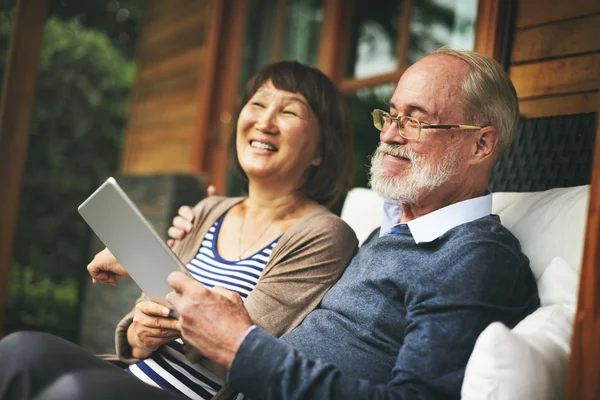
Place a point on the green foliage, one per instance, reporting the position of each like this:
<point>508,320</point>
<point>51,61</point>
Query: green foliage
<point>75,139</point>
<point>30,295</point>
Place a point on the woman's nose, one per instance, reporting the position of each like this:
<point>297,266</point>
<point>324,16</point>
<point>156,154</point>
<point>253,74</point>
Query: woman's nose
<point>266,122</point>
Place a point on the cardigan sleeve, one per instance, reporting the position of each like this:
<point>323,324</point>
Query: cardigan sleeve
<point>301,272</point>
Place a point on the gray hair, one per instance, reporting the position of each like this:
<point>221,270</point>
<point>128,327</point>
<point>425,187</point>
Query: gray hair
<point>487,93</point>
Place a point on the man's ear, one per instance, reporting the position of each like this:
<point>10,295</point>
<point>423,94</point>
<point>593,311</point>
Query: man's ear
<point>485,143</point>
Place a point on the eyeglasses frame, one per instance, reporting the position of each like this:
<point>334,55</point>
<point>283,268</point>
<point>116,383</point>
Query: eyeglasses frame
<point>422,125</point>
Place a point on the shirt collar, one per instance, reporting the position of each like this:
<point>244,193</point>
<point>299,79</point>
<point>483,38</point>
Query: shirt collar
<point>433,225</point>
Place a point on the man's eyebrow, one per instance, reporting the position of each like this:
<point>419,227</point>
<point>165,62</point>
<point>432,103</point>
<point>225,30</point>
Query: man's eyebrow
<point>415,107</point>
<point>289,98</point>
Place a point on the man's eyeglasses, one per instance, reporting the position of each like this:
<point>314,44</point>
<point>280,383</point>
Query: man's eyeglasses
<point>408,127</point>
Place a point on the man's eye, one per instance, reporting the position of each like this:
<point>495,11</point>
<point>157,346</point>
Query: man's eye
<point>257,104</point>
<point>289,112</point>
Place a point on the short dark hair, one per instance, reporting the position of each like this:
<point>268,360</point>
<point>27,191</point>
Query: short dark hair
<point>330,180</point>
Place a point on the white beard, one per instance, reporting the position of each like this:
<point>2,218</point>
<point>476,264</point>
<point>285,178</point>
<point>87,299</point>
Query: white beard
<point>422,179</point>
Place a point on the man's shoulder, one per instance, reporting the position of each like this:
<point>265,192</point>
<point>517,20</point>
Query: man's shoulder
<point>485,230</point>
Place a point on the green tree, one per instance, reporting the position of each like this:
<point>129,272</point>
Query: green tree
<point>75,139</point>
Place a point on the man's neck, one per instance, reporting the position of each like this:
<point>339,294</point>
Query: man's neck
<point>439,198</point>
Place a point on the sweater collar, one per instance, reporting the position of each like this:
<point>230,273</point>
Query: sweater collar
<point>433,225</point>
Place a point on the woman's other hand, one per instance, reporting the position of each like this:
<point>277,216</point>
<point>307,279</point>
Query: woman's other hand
<point>151,328</point>
<point>182,225</point>
<point>184,221</point>
<point>105,268</point>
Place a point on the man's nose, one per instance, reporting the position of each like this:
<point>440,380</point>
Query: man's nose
<point>392,135</point>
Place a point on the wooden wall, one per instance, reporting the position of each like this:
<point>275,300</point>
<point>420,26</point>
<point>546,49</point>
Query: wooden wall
<point>555,57</point>
<point>171,57</point>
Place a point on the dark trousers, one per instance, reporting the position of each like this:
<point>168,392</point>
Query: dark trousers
<point>40,366</point>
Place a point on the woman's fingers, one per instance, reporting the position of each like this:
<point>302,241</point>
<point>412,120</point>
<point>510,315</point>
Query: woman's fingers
<point>175,233</point>
<point>182,224</point>
<point>152,326</point>
<point>105,268</point>
<point>187,213</point>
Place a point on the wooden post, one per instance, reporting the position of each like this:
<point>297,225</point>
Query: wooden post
<point>334,30</point>
<point>584,366</point>
<point>218,99</point>
<point>15,112</point>
<point>489,29</point>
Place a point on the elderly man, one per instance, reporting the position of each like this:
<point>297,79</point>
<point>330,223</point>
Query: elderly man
<point>403,319</point>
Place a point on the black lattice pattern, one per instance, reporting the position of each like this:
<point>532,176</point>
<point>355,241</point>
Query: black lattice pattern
<point>547,153</point>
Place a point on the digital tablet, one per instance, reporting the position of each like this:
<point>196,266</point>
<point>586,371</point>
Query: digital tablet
<point>122,228</point>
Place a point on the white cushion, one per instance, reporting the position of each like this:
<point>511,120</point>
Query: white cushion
<point>548,224</point>
<point>529,362</point>
<point>362,210</point>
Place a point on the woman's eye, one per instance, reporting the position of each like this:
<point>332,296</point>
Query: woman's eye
<point>290,112</point>
<point>257,104</point>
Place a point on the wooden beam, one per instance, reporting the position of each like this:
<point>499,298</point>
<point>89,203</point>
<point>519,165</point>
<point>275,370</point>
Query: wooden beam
<point>206,87</point>
<point>334,31</point>
<point>352,85</point>
<point>218,94</point>
<point>489,28</point>
<point>279,34</point>
<point>538,12</point>
<point>560,76</point>
<point>15,113</point>
<point>584,364</point>
<point>575,103</point>
<point>225,94</point>
<point>564,38</point>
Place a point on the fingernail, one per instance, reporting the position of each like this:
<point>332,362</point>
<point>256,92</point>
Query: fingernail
<point>166,311</point>
<point>178,326</point>
<point>189,227</point>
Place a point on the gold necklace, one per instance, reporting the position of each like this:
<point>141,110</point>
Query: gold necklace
<point>241,253</point>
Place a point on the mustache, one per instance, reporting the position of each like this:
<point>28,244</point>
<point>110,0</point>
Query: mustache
<point>396,151</point>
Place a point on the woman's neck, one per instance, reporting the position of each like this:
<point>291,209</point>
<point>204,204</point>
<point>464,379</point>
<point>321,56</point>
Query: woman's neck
<point>271,204</point>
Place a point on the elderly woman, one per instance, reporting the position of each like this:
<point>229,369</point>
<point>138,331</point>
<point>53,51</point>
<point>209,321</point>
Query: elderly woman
<point>279,248</point>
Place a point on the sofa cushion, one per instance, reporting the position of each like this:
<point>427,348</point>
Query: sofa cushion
<point>529,362</point>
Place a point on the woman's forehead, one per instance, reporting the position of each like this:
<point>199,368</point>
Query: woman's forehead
<point>267,89</point>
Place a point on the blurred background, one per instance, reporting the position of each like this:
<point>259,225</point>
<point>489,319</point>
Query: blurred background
<point>146,91</point>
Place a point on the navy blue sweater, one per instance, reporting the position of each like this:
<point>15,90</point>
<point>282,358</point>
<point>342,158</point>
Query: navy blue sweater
<point>400,323</point>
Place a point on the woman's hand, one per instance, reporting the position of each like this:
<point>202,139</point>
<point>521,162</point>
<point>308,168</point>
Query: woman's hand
<point>151,328</point>
<point>182,225</point>
<point>184,221</point>
<point>105,268</point>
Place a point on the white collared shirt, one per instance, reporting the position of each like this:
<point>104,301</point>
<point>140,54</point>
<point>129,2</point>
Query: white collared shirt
<point>433,225</point>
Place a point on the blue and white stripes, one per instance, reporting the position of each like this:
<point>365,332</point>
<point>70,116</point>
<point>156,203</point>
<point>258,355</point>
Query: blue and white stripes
<point>168,367</point>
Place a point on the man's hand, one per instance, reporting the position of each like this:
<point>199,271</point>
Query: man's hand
<point>214,321</point>
<point>184,221</point>
<point>151,328</point>
<point>105,268</point>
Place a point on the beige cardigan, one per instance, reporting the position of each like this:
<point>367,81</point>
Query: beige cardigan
<point>308,259</point>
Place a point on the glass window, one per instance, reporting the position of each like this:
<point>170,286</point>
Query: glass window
<point>373,38</point>
<point>434,23</point>
<point>366,136</point>
<point>302,30</point>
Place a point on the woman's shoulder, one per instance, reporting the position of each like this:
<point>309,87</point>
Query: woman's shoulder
<point>212,203</point>
<point>320,222</point>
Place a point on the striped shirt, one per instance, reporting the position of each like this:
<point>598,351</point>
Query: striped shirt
<point>168,367</point>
